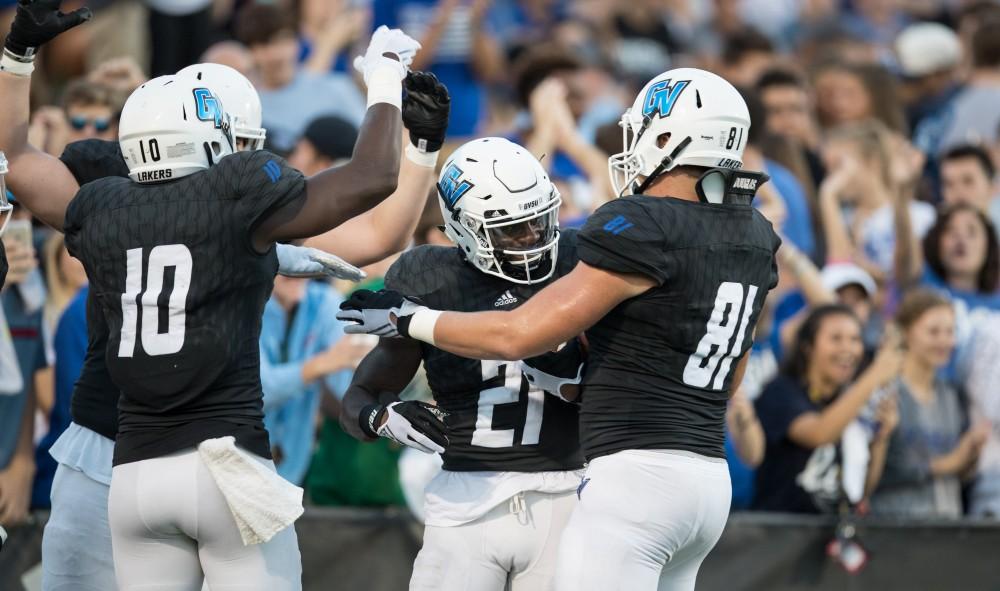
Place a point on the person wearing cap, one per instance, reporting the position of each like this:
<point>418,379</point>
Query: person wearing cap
<point>327,141</point>
<point>837,283</point>
<point>928,56</point>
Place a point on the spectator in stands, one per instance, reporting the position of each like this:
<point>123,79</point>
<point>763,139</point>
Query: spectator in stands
<point>963,258</point>
<point>326,32</point>
<point>929,56</point>
<point>745,56</point>
<point>304,355</point>
<point>797,225</point>
<point>547,84</point>
<point>233,54</point>
<point>861,202</point>
<point>975,113</point>
<point>88,111</point>
<point>180,32</point>
<point>789,113</point>
<point>917,470</point>
<point>327,141</point>
<point>876,21</point>
<point>967,176</point>
<point>744,447</point>
<point>64,276</point>
<point>23,297</point>
<point>811,406</point>
<point>348,472</point>
<point>290,96</point>
<point>69,350</point>
<point>458,46</point>
<point>855,93</point>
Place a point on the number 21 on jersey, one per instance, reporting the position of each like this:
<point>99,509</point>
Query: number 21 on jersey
<point>717,349</point>
<point>507,392</point>
<point>154,341</point>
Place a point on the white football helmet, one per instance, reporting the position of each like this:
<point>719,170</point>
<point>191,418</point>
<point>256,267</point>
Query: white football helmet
<point>240,98</point>
<point>6,207</point>
<point>706,118</point>
<point>501,209</point>
<point>171,127</point>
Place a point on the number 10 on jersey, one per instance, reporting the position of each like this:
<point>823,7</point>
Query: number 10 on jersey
<point>718,348</point>
<point>155,342</point>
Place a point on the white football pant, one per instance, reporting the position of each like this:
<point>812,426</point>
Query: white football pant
<point>171,528</point>
<point>513,547</point>
<point>644,521</point>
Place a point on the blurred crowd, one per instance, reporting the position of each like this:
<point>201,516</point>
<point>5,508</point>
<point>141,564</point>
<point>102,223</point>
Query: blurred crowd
<point>873,381</point>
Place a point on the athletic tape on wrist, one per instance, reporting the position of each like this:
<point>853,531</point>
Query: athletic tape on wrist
<point>16,65</point>
<point>420,158</point>
<point>422,324</point>
<point>384,86</point>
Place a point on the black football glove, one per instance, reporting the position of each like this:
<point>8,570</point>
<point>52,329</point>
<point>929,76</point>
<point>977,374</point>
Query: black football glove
<point>384,313</point>
<point>414,424</point>
<point>39,21</point>
<point>426,106</point>
<point>552,371</point>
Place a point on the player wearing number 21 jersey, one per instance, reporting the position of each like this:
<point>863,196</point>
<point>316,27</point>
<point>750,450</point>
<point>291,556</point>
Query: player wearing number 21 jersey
<point>511,453</point>
<point>670,283</point>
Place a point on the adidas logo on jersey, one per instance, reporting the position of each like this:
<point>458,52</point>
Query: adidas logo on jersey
<point>505,299</point>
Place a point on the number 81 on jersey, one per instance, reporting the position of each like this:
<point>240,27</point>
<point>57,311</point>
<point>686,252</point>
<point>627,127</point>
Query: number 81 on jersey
<point>717,349</point>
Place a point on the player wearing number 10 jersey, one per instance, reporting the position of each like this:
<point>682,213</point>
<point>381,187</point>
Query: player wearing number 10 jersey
<point>511,452</point>
<point>670,283</point>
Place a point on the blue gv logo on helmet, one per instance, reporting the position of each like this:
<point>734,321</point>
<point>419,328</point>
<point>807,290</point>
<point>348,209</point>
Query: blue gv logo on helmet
<point>207,106</point>
<point>660,97</point>
<point>452,186</point>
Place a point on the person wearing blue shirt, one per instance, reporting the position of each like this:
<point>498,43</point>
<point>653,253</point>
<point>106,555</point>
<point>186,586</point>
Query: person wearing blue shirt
<point>70,346</point>
<point>21,329</point>
<point>290,96</point>
<point>303,356</point>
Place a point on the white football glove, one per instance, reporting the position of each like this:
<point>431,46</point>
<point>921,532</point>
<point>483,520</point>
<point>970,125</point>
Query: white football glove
<point>303,261</point>
<point>373,312</point>
<point>386,40</point>
<point>413,424</point>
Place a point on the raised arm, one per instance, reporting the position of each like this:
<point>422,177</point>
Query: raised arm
<point>553,316</point>
<point>387,229</point>
<point>343,192</point>
<point>41,182</point>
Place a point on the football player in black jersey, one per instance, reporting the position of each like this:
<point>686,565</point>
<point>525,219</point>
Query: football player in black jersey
<point>38,21</point>
<point>511,452</point>
<point>670,283</point>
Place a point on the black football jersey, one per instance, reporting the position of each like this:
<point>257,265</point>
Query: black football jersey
<point>182,288</point>
<point>496,420</point>
<point>660,364</point>
<point>95,396</point>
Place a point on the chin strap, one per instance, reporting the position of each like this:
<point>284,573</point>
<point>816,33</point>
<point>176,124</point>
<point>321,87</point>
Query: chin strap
<point>667,161</point>
<point>725,185</point>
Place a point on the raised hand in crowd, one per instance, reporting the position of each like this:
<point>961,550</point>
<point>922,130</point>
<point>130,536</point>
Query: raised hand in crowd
<point>21,260</point>
<point>342,27</point>
<point>49,130</point>
<point>122,75</point>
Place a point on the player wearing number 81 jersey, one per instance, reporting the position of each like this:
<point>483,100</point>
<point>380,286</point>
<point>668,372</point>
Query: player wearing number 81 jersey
<point>510,449</point>
<point>671,280</point>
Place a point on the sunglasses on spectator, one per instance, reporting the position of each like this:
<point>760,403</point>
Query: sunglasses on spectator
<point>101,124</point>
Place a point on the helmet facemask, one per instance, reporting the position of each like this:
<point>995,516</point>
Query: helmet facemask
<point>521,249</point>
